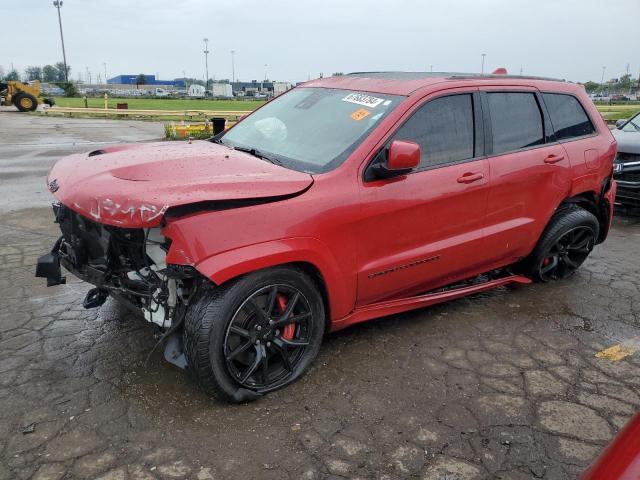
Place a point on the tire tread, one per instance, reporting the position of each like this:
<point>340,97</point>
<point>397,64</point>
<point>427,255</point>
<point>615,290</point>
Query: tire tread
<point>566,216</point>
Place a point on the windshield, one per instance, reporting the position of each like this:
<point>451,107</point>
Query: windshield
<point>311,129</point>
<point>632,125</point>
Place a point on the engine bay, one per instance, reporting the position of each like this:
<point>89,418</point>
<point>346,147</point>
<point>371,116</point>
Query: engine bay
<point>125,263</point>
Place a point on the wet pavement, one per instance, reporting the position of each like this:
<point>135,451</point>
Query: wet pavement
<point>500,385</point>
<point>30,144</point>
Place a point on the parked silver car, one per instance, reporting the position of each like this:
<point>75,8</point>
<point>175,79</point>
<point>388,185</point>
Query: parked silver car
<point>627,163</point>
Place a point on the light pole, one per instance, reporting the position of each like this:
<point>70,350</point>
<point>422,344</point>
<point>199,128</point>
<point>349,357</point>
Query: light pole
<point>233,66</point>
<point>104,64</point>
<point>184,77</point>
<point>482,70</point>
<point>58,5</point>
<point>206,63</point>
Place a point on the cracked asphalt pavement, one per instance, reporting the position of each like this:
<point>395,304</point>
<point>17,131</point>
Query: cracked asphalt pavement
<point>501,385</point>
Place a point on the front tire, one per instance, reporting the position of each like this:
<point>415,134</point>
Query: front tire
<point>25,102</point>
<point>254,334</point>
<point>564,246</point>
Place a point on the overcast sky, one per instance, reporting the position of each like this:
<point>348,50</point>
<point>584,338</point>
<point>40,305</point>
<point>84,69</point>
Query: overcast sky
<point>570,39</point>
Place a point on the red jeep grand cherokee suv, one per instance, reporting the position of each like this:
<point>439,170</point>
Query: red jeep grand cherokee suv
<point>345,199</point>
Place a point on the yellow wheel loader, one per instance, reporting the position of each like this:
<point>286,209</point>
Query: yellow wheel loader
<point>24,96</point>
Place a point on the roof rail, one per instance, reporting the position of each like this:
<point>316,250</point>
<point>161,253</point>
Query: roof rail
<point>448,75</point>
<point>491,75</point>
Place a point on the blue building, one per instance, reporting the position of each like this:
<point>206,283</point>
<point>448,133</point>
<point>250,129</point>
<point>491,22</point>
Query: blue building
<point>149,80</point>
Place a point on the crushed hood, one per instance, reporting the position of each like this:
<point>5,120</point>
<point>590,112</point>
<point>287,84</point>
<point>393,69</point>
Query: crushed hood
<point>134,185</point>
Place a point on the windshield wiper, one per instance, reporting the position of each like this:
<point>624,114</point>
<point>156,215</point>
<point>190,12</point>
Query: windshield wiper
<point>259,154</point>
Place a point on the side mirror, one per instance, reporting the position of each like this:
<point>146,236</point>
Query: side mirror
<point>402,157</point>
<point>621,122</point>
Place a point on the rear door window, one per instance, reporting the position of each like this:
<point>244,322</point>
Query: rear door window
<point>567,116</point>
<point>444,130</point>
<point>516,121</point>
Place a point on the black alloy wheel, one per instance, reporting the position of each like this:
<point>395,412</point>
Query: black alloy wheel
<point>267,337</point>
<point>256,333</point>
<point>566,255</point>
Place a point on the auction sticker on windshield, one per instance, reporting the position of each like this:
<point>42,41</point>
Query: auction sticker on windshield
<point>363,99</point>
<point>360,114</point>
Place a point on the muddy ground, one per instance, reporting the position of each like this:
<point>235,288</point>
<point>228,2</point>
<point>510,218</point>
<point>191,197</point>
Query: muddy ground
<point>500,385</point>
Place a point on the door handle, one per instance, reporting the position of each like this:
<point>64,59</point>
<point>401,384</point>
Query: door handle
<point>470,177</point>
<point>551,159</point>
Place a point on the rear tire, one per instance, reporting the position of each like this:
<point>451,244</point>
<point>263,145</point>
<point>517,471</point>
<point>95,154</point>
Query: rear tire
<point>239,338</point>
<point>25,102</point>
<point>564,246</point>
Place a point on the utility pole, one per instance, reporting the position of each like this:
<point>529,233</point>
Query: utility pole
<point>184,77</point>
<point>602,79</point>
<point>482,69</point>
<point>233,66</point>
<point>265,72</point>
<point>58,5</point>
<point>88,75</point>
<point>104,64</point>
<point>206,63</point>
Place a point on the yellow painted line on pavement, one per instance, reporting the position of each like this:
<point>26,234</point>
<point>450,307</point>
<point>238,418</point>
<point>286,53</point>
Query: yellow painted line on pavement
<point>620,351</point>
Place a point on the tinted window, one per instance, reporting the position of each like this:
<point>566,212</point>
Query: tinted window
<point>516,121</point>
<point>443,128</point>
<point>567,115</point>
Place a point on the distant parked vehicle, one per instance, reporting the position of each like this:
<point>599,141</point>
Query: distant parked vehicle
<point>196,91</point>
<point>159,92</point>
<point>24,96</point>
<point>619,98</point>
<point>627,163</point>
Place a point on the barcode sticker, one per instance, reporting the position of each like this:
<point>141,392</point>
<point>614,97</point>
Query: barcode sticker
<point>363,99</point>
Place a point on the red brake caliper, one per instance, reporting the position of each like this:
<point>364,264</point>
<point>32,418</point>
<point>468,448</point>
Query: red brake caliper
<point>290,329</point>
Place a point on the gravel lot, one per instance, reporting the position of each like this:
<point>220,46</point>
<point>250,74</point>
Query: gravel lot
<point>499,385</point>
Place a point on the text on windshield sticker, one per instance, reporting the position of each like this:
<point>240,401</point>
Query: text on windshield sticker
<point>363,99</point>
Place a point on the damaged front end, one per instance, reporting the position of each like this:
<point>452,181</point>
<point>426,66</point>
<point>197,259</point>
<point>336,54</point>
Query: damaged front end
<point>125,263</point>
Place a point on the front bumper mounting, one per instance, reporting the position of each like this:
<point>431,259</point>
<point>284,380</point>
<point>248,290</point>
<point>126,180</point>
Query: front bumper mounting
<point>48,266</point>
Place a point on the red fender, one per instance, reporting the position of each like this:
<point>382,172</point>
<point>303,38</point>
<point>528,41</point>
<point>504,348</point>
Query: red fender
<point>232,263</point>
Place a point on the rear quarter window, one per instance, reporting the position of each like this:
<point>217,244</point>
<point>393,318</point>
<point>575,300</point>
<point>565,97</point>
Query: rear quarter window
<point>567,116</point>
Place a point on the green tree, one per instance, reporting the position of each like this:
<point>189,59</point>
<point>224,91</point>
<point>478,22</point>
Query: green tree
<point>69,88</point>
<point>33,73</point>
<point>591,86</point>
<point>49,73</point>
<point>60,76</point>
<point>12,75</point>
<point>624,82</point>
<point>141,79</point>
